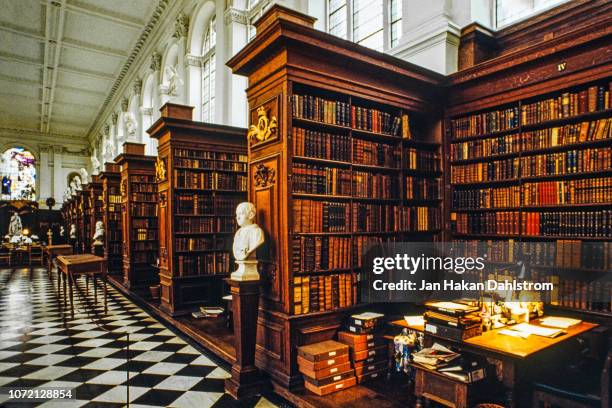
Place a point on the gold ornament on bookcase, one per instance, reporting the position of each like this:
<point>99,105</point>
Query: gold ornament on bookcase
<point>123,188</point>
<point>264,128</point>
<point>264,176</point>
<point>160,170</point>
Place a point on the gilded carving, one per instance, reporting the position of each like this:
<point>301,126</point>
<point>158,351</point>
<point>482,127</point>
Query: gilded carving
<point>264,176</point>
<point>160,170</point>
<point>264,128</point>
<point>123,188</point>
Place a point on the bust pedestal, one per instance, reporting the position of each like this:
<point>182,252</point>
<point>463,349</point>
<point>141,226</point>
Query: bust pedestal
<point>247,271</point>
<point>98,249</point>
<point>245,380</point>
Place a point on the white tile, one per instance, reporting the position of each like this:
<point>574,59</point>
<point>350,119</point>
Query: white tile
<point>85,326</point>
<point>6,380</point>
<point>50,373</point>
<point>218,373</point>
<point>164,368</point>
<point>188,350</point>
<point>99,352</point>
<point>264,403</point>
<point>153,356</point>
<point>122,322</point>
<point>89,334</point>
<point>196,399</point>
<point>145,345</point>
<point>128,329</point>
<point>48,349</point>
<point>47,324</point>
<point>8,344</point>
<point>47,339</point>
<point>8,354</point>
<point>118,394</point>
<point>94,343</point>
<point>67,403</point>
<point>178,383</point>
<point>105,364</point>
<point>111,378</point>
<point>47,331</point>
<point>165,332</point>
<point>176,340</point>
<point>49,359</point>
<point>136,336</point>
<point>203,360</point>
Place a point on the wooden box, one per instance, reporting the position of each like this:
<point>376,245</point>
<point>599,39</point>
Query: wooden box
<point>365,354</point>
<point>319,365</point>
<point>327,371</point>
<point>371,375</point>
<point>324,350</point>
<point>360,342</point>
<point>333,387</point>
<point>364,367</point>
<point>341,376</point>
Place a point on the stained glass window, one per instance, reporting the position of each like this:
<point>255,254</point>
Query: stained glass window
<point>18,174</point>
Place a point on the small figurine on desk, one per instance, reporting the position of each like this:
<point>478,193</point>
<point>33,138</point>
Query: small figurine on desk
<point>98,233</point>
<point>15,225</point>
<point>247,239</point>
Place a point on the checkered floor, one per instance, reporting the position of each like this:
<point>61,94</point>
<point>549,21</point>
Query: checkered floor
<point>41,346</point>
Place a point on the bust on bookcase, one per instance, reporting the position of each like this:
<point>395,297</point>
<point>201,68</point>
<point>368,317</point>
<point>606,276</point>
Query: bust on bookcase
<point>247,239</point>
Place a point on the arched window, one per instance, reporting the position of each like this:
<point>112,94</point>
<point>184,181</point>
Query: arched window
<point>510,11</point>
<point>18,171</point>
<point>208,72</point>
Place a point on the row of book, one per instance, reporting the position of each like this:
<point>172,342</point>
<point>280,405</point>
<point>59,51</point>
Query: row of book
<point>533,140</point>
<point>377,121</point>
<point>576,254</point>
<point>584,295</point>
<point>113,232</point>
<point>143,209</point>
<point>144,246</point>
<point>209,180</point>
<point>570,162</point>
<point>144,234</point>
<point>419,188</point>
<point>194,244</point>
<point>149,223</point>
<point>594,224</point>
<point>211,164</point>
<point>423,160</point>
<point>114,199</point>
<point>140,179</point>
<point>376,154</point>
<point>592,99</point>
<point>584,191</point>
<point>321,180</point>
<point>321,145</point>
<point>196,225</point>
<point>145,257</point>
<point>485,123</point>
<point>203,264</point>
<point>210,155</point>
<point>375,185</point>
<point>321,110</point>
<point>320,253</point>
<point>204,204</point>
<point>322,293</point>
<point>320,216</point>
<point>144,197</point>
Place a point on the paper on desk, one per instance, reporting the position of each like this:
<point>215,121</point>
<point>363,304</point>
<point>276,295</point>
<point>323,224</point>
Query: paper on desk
<point>513,333</point>
<point>537,330</point>
<point>559,322</point>
<point>414,320</point>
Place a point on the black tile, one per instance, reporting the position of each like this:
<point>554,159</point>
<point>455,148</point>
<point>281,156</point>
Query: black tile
<point>78,361</point>
<point>180,358</point>
<point>123,354</point>
<point>196,371</point>
<point>25,383</point>
<point>135,366</point>
<point>169,347</point>
<point>21,358</point>
<point>91,391</point>
<point>99,404</point>
<point>147,380</point>
<point>158,397</point>
<point>20,370</point>
<point>81,375</point>
<point>210,385</point>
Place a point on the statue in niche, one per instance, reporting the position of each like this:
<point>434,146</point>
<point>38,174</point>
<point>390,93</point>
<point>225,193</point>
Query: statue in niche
<point>130,125</point>
<point>174,80</point>
<point>95,163</point>
<point>98,233</point>
<point>109,150</point>
<point>248,238</point>
<point>84,175</point>
<point>15,226</point>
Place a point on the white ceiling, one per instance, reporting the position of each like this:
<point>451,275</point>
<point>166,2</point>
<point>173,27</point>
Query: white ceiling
<point>59,59</point>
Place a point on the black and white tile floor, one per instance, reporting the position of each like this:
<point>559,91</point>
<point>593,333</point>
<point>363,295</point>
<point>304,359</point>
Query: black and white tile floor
<point>41,346</point>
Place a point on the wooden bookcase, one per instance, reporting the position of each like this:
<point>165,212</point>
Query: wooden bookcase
<point>94,206</point>
<point>288,62</point>
<point>83,219</point>
<point>113,235</point>
<point>139,216</point>
<point>535,80</point>
<point>201,173</point>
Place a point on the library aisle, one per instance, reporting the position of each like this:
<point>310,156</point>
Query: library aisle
<point>41,346</point>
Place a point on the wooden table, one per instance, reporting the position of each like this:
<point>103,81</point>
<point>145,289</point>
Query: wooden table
<point>85,264</point>
<point>52,251</point>
<point>517,360</point>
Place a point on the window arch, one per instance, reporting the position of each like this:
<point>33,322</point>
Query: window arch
<point>18,171</point>
<point>208,71</point>
<point>510,11</point>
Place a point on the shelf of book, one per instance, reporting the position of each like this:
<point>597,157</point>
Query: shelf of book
<point>113,235</point>
<point>94,206</point>
<point>330,176</point>
<point>202,177</point>
<point>139,216</point>
<point>83,220</point>
<point>539,169</point>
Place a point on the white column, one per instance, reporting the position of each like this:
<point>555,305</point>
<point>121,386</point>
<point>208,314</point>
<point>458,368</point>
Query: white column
<point>44,187</point>
<point>58,174</point>
<point>193,84</point>
<point>235,38</point>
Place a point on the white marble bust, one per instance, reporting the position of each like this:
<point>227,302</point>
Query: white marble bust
<point>98,233</point>
<point>246,240</point>
<point>73,233</point>
<point>15,225</point>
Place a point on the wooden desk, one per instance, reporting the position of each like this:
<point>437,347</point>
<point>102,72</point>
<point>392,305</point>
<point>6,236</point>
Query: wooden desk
<point>52,251</point>
<point>517,360</point>
<point>84,264</point>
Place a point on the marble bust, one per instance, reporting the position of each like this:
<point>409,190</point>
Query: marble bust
<point>98,233</point>
<point>246,240</point>
<point>73,233</point>
<point>15,225</point>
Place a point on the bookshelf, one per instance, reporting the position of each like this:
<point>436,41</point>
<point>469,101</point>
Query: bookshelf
<point>202,177</point>
<point>139,219</point>
<point>94,206</point>
<point>331,170</point>
<point>538,170</point>
<point>113,235</point>
<point>83,220</point>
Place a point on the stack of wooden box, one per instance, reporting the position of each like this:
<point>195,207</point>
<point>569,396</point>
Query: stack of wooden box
<point>368,350</point>
<point>326,367</point>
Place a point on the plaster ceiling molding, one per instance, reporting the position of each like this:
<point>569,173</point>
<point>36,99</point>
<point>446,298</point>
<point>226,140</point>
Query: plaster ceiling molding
<point>234,15</point>
<point>63,58</point>
<point>155,64</point>
<point>181,26</point>
<point>137,86</point>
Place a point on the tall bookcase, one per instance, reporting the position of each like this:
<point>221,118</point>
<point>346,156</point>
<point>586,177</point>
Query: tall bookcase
<point>139,220</point>
<point>94,206</point>
<point>113,235</point>
<point>336,132</point>
<point>202,177</point>
<point>83,220</point>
